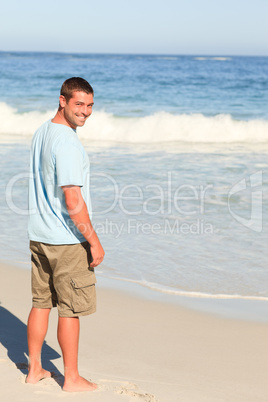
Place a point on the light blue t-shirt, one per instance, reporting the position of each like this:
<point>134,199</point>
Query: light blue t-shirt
<point>57,159</point>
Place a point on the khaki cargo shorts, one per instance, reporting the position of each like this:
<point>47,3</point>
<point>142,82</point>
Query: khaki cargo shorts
<point>61,277</point>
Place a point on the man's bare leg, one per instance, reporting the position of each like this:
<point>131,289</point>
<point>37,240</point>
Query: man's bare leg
<point>68,337</point>
<point>36,332</point>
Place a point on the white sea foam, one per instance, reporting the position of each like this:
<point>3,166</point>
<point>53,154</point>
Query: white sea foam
<point>221,58</point>
<point>156,128</point>
<point>200,58</point>
<point>179,292</point>
<point>213,58</point>
<point>20,123</point>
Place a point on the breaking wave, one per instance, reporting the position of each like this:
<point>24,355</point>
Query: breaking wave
<point>155,128</point>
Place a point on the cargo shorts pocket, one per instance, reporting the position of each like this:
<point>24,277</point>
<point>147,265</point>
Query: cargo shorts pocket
<point>83,291</point>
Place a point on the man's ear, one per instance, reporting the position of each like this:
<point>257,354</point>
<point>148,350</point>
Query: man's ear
<point>62,101</point>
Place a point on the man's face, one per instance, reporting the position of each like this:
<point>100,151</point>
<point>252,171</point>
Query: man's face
<point>78,109</point>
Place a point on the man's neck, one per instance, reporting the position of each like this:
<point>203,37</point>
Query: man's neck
<point>60,119</point>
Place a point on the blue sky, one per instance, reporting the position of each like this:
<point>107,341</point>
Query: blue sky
<point>230,27</point>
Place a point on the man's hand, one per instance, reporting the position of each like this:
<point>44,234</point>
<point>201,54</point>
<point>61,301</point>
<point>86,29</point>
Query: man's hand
<point>97,254</point>
<point>78,212</point>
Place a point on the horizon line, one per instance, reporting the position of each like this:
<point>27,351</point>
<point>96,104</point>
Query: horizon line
<point>135,54</point>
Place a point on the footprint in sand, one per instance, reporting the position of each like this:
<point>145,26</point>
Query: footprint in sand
<point>140,395</point>
<point>126,388</point>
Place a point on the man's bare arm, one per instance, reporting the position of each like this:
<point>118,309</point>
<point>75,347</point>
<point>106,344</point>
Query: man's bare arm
<point>78,212</point>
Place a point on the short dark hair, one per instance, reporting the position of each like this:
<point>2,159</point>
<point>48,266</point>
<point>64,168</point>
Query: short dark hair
<point>75,84</point>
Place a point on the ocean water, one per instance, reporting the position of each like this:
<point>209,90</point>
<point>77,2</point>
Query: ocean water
<point>178,148</point>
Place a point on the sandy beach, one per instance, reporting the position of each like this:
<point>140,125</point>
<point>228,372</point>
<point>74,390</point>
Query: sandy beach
<point>136,349</point>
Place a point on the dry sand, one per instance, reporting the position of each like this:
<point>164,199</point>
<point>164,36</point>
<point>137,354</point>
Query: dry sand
<point>136,350</point>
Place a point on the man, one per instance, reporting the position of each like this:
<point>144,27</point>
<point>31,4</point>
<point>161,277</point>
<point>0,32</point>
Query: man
<point>65,248</point>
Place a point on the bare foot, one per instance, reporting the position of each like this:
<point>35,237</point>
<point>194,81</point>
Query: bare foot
<point>80,384</point>
<point>34,377</point>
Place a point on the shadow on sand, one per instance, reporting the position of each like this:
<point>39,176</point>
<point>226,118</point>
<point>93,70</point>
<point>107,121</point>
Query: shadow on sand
<point>13,336</point>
